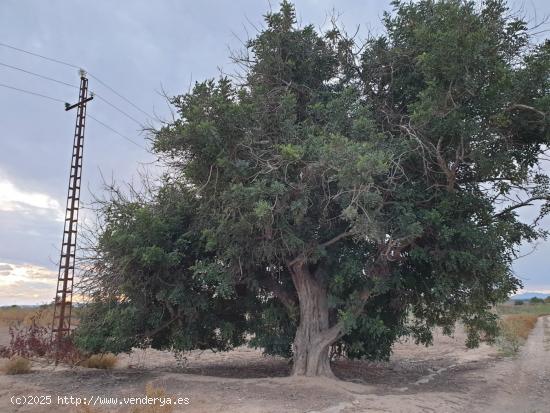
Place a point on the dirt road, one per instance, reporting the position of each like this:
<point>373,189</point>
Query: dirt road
<point>521,384</point>
<point>444,378</point>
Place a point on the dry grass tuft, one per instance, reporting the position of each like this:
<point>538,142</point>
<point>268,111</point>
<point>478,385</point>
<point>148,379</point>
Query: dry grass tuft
<point>514,330</point>
<point>520,324</point>
<point>158,392</point>
<point>16,365</point>
<point>100,361</point>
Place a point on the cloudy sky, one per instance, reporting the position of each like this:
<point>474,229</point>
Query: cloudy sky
<point>138,48</point>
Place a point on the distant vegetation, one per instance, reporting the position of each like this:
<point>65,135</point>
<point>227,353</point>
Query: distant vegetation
<point>538,308</point>
<point>16,314</point>
<point>23,315</point>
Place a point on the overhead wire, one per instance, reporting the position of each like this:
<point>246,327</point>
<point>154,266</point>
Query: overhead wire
<point>88,115</point>
<point>38,75</point>
<point>117,108</point>
<point>73,86</point>
<point>119,95</point>
<point>117,132</point>
<point>32,93</point>
<point>51,59</point>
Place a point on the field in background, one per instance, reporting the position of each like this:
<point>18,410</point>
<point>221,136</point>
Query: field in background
<point>538,309</point>
<point>14,315</point>
<point>23,315</point>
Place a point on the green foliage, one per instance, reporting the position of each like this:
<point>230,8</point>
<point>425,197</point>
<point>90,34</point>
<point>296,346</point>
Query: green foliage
<point>108,327</point>
<point>154,281</point>
<point>274,330</point>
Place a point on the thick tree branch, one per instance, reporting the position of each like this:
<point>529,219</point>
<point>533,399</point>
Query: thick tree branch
<point>335,332</point>
<point>303,256</point>
<point>335,239</point>
<point>527,202</point>
<point>526,107</point>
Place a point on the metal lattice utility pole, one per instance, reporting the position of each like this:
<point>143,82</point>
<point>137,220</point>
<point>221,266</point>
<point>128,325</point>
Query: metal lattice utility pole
<point>61,324</point>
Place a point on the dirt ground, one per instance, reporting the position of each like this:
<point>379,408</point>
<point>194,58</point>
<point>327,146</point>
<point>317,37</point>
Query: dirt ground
<point>444,378</point>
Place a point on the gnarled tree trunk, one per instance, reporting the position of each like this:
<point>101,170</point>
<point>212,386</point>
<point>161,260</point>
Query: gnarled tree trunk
<point>313,336</point>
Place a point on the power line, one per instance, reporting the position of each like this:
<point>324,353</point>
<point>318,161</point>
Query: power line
<point>51,59</point>
<point>118,133</point>
<point>39,55</point>
<point>73,86</point>
<point>119,95</point>
<point>38,75</point>
<point>90,116</point>
<point>32,93</point>
<point>118,109</point>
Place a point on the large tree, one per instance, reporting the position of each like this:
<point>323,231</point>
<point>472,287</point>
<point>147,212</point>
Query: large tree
<point>362,194</point>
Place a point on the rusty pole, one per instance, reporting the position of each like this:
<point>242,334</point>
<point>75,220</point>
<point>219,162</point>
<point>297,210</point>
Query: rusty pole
<point>61,324</point>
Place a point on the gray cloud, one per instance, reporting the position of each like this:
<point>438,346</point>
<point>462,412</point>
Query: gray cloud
<point>5,269</point>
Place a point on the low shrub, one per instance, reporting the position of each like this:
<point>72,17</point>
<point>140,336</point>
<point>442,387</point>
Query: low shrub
<point>100,361</point>
<point>33,340</point>
<point>158,392</point>
<point>17,365</point>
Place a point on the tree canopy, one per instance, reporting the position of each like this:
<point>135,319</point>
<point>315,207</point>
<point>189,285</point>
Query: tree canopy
<point>150,282</point>
<point>334,196</point>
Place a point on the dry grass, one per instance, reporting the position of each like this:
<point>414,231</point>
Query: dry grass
<point>515,329</point>
<point>16,365</point>
<point>539,309</point>
<point>100,361</point>
<point>158,392</point>
<point>520,324</point>
<point>14,315</point>
<point>42,315</point>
